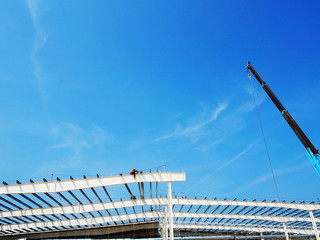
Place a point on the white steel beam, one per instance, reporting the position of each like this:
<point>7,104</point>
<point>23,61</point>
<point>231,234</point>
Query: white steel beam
<point>162,229</point>
<point>316,232</point>
<point>240,228</point>
<point>82,221</point>
<point>300,206</point>
<point>170,211</point>
<point>84,208</point>
<point>166,222</point>
<point>285,230</point>
<point>235,216</point>
<point>69,185</point>
<point>155,214</point>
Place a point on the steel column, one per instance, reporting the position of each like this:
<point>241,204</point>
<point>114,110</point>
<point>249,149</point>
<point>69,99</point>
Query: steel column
<point>162,230</point>
<point>170,211</point>
<point>166,222</point>
<point>285,230</point>
<point>314,225</point>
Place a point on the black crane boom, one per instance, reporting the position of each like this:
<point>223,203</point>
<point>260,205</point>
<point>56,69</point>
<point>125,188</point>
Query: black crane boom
<point>292,123</point>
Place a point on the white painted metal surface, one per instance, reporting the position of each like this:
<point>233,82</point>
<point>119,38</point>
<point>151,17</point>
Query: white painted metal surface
<point>149,215</point>
<point>76,204</point>
<point>69,185</point>
<point>314,225</point>
<point>170,211</point>
<point>85,208</point>
<point>242,228</point>
<point>285,230</point>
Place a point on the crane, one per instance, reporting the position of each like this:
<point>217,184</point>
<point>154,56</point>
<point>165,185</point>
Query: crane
<point>312,152</point>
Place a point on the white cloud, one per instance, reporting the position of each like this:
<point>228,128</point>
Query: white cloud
<point>235,158</point>
<point>76,139</point>
<point>195,131</point>
<point>206,132</point>
<point>196,128</point>
<point>239,155</point>
<point>206,146</point>
<point>175,133</point>
<point>40,40</point>
<point>73,146</point>
<point>259,97</point>
<point>267,177</point>
<point>243,152</point>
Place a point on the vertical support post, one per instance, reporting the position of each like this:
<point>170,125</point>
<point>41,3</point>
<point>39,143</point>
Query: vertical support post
<point>261,234</point>
<point>170,211</point>
<point>163,230</point>
<point>285,230</point>
<point>165,222</point>
<point>315,229</point>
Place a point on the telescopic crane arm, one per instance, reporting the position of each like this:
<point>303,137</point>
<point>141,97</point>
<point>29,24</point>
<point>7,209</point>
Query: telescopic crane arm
<point>312,152</point>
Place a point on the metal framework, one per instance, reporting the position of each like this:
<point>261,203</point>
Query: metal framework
<point>84,208</point>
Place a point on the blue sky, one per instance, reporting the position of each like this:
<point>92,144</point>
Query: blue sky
<point>104,86</point>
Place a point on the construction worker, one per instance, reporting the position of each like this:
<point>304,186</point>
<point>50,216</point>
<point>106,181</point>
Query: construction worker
<point>134,172</point>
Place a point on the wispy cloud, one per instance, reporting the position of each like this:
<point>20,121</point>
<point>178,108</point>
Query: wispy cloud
<point>260,97</point>
<point>195,130</point>
<point>76,139</point>
<point>40,40</point>
<point>235,158</point>
<point>170,135</point>
<point>205,132</point>
<point>206,146</point>
<point>267,177</point>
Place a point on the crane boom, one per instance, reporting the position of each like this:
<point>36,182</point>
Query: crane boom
<point>312,152</point>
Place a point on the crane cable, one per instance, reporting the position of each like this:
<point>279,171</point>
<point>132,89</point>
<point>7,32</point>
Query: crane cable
<point>263,136</point>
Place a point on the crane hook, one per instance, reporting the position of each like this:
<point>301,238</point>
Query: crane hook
<point>249,75</point>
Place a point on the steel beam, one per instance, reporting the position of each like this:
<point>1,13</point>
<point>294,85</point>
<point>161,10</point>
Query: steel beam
<point>241,228</point>
<point>85,208</point>
<point>69,185</point>
<point>316,232</point>
<point>170,211</point>
<point>137,230</point>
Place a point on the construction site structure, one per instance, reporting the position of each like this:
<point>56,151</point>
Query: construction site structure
<point>91,208</point>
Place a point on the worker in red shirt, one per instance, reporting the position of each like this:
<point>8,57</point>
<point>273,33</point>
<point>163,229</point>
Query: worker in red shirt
<point>134,172</point>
